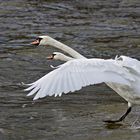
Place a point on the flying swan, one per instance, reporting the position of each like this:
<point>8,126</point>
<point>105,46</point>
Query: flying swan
<point>121,74</point>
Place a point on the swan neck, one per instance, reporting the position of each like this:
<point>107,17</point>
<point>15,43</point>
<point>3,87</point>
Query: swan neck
<point>66,49</point>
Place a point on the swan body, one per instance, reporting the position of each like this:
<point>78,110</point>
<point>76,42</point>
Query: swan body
<point>121,74</point>
<point>132,66</point>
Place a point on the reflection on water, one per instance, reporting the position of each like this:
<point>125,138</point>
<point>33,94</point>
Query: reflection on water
<point>113,125</point>
<point>94,28</point>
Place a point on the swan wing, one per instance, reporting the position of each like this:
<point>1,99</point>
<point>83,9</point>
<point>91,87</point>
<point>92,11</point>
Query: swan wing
<point>78,73</point>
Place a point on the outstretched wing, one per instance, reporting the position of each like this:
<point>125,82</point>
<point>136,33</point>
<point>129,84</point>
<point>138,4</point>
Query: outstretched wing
<point>75,74</point>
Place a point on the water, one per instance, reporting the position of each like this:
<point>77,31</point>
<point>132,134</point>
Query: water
<point>95,28</point>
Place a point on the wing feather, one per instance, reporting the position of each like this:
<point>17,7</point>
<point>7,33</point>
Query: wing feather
<point>75,74</point>
<point>130,63</point>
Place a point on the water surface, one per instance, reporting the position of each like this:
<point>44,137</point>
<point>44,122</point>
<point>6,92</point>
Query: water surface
<point>94,28</point>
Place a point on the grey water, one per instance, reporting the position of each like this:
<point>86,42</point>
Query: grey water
<point>95,28</point>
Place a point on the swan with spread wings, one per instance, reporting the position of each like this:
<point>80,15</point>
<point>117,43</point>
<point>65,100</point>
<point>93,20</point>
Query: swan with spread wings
<point>121,74</point>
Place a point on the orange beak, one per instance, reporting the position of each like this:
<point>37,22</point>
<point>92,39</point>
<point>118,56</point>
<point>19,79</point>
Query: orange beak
<point>36,42</point>
<point>50,57</point>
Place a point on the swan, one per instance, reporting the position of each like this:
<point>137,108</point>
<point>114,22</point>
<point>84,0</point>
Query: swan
<point>122,67</point>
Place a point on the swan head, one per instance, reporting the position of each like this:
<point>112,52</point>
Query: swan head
<point>43,40</point>
<point>56,56</point>
<point>59,56</point>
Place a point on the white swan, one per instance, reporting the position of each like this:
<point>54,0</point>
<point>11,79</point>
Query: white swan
<point>117,69</point>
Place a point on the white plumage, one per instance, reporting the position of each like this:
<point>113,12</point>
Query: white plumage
<point>79,73</point>
<point>130,63</point>
<point>121,74</point>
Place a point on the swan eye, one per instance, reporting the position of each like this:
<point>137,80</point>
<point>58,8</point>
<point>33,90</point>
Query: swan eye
<point>53,55</point>
<point>39,39</point>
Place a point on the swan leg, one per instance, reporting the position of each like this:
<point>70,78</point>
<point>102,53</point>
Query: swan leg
<point>122,117</point>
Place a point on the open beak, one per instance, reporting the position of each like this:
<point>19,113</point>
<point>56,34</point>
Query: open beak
<point>50,57</point>
<point>36,42</point>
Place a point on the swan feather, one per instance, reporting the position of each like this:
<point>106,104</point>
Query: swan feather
<point>78,73</point>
